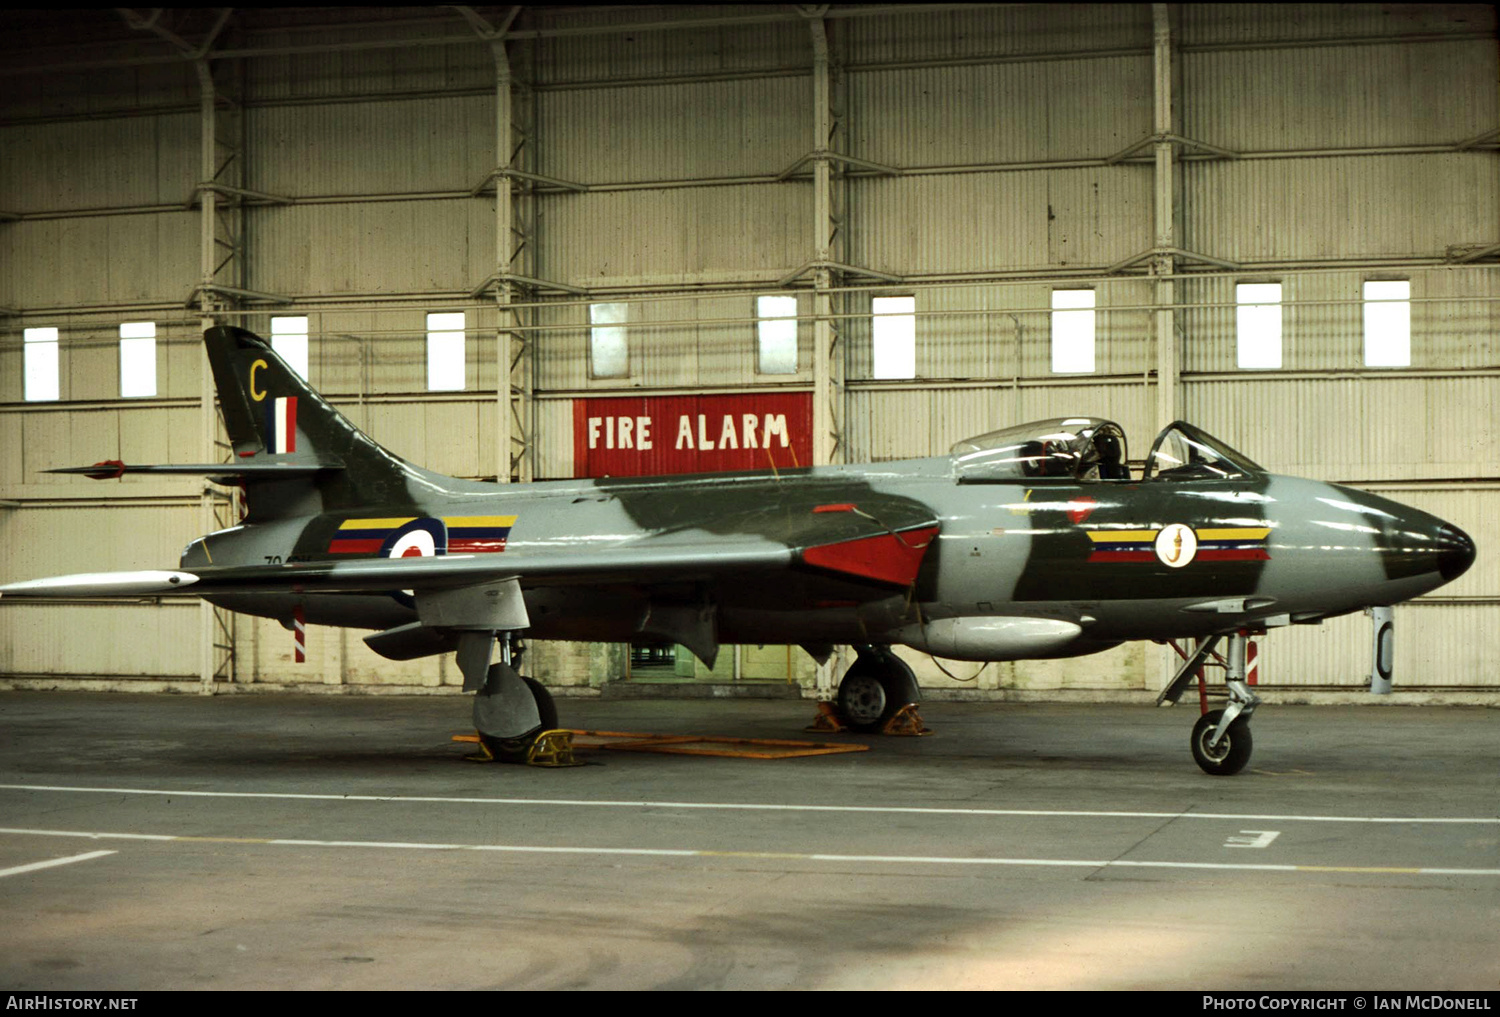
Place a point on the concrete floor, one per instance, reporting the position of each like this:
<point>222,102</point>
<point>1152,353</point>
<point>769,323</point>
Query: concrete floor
<point>322,842</point>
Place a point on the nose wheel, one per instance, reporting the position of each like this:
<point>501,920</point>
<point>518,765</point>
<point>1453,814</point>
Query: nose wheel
<point>1225,755</point>
<point>1221,741</point>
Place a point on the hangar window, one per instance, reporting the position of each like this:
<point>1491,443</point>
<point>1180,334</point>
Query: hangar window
<point>1388,323</point>
<point>1257,325</point>
<point>40,382</point>
<point>445,352</point>
<point>137,359</point>
<point>609,356</point>
<point>289,340</point>
<point>1072,331</point>
<point>894,331</point>
<point>776,334</point>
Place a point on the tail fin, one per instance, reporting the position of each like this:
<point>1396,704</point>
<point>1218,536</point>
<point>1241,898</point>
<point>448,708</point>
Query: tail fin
<point>271,412</point>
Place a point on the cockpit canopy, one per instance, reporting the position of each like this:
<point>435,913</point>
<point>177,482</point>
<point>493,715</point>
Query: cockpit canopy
<point>1086,449</point>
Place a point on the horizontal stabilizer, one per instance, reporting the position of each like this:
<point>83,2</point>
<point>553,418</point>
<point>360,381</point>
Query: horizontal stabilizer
<point>267,468</point>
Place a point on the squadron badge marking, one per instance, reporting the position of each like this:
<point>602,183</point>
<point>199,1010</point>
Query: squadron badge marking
<point>1177,545</point>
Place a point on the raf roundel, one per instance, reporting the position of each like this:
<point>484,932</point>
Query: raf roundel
<point>1176,545</point>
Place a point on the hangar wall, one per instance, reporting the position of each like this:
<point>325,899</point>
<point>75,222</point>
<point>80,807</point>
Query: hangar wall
<point>983,157</point>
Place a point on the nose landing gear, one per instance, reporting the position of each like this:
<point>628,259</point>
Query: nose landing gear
<point>1221,741</point>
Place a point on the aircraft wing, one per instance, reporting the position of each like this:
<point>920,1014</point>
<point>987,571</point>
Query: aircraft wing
<point>885,546</point>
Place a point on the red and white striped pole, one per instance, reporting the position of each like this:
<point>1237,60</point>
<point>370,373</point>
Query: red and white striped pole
<point>1252,664</point>
<point>299,634</point>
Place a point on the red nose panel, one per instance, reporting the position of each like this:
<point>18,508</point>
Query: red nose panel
<point>889,558</point>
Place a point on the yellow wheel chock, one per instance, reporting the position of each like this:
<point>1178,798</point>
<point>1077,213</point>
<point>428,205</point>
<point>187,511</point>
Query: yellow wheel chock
<point>827,721</point>
<point>906,721</point>
<point>549,749</point>
<point>552,748</point>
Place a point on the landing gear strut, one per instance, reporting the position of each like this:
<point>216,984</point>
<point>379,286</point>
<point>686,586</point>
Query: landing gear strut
<point>1221,741</point>
<point>875,687</point>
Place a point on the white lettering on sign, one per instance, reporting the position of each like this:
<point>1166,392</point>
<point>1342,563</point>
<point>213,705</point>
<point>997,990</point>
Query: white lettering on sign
<point>752,432</point>
<point>621,432</point>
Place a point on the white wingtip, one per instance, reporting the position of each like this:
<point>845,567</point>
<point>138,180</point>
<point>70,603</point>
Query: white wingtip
<point>150,583</point>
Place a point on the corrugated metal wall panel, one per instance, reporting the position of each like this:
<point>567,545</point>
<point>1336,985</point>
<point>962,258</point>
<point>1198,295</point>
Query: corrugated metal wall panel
<point>554,437</point>
<point>1371,206</point>
<point>115,259</point>
<point>121,640</point>
<point>58,540</point>
<point>1396,94</point>
<point>676,236</point>
<point>99,163</point>
<point>429,144</point>
<point>1437,645</point>
<point>1354,428</point>
<point>388,247</point>
<point>1004,30</point>
<point>783,45</point>
<point>1217,24</point>
<point>333,75</point>
<point>675,131</point>
<point>999,113</point>
<point>997,221</point>
<point>102,91</point>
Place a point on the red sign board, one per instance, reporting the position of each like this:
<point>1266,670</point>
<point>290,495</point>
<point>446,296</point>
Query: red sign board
<point>638,436</point>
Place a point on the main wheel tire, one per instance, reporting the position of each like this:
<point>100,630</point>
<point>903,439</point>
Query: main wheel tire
<point>513,750</point>
<point>1233,751</point>
<point>863,702</point>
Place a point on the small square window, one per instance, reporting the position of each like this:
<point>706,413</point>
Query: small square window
<point>289,340</point>
<point>894,337</point>
<point>776,334</point>
<point>445,352</point>
<point>609,354</point>
<point>1257,325</point>
<point>1073,331</point>
<point>41,376</point>
<point>1388,323</point>
<point>138,359</point>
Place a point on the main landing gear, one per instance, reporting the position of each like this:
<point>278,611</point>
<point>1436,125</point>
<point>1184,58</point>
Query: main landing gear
<point>874,689</point>
<point>510,710</point>
<point>1221,741</point>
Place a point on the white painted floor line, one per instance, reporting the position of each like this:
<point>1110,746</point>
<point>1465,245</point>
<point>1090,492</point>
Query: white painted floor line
<point>53,863</point>
<point>764,807</point>
<point>531,849</point>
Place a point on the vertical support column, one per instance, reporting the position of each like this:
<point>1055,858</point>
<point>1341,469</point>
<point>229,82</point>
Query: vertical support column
<point>828,355</point>
<point>825,424</point>
<point>504,224</point>
<point>208,424</point>
<point>1168,356</point>
<point>221,263</point>
<point>513,451</point>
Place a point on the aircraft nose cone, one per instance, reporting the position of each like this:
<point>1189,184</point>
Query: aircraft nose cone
<point>1455,552</point>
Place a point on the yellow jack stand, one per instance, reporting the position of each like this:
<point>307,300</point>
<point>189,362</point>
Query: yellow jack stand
<point>906,721</point>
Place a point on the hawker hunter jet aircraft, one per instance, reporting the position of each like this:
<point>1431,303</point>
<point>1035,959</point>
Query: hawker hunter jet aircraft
<point>1036,541</point>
